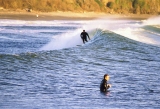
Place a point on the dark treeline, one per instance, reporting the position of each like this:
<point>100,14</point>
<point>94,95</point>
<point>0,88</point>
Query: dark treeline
<point>108,6</point>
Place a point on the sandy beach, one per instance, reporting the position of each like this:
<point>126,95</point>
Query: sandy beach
<point>65,16</point>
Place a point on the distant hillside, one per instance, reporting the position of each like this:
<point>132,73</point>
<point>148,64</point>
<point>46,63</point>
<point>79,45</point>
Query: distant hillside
<point>108,6</point>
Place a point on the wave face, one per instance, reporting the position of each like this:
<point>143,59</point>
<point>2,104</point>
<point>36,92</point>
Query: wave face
<point>42,66</point>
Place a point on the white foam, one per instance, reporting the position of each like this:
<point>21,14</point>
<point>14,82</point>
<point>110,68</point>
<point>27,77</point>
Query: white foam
<point>6,22</point>
<point>127,28</point>
<point>9,38</point>
<point>152,21</point>
<point>136,34</point>
<point>70,38</point>
<point>65,40</point>
<point>133,30</point>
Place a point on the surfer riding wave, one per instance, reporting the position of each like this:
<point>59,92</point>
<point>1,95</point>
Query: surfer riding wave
<point>84,36</point>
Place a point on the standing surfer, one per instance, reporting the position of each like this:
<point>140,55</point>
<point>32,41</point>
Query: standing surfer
<point>84,36</point>
<point>104,86</point>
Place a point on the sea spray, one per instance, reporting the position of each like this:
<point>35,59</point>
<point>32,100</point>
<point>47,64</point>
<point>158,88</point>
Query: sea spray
<point>136,31</point>
<point>152,21</point>
<point>70,38</point>
<point>65,40</point>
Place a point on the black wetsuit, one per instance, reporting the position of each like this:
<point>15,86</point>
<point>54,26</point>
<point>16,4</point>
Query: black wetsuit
<point>84,36</point>
<point>103,86</point>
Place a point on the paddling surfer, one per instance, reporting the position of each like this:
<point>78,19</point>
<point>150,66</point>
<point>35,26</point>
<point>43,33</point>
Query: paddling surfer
<point>84,36</point>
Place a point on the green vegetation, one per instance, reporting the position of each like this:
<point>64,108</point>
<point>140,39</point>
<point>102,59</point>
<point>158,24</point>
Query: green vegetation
<point>108,6</point>
<point>99,3</point>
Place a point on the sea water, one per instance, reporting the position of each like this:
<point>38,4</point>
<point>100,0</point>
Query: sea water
<point>41,66</point>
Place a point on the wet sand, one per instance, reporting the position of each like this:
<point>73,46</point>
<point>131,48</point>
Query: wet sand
<point>66,16</point>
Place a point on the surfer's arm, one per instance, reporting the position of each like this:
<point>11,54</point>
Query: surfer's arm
<point>108,86</point>
<point>81,35</point>
<point>88,36</point>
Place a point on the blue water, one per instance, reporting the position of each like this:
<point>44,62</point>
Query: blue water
<point>41,66</point>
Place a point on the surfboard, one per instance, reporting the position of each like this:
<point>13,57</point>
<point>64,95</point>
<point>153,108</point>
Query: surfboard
<point>78,45</point>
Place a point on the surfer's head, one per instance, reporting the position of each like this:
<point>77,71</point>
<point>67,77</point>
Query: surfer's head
<point>106,77</point>
<point>83,30</point>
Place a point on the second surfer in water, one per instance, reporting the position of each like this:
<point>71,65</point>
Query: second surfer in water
<point>84,36</point>
<point>104,86</point>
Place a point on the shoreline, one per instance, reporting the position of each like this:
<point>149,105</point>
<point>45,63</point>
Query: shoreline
<point>14,15</point>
